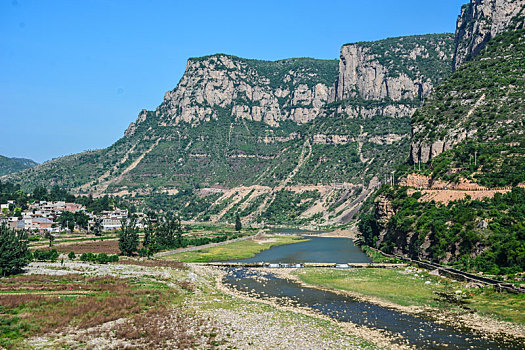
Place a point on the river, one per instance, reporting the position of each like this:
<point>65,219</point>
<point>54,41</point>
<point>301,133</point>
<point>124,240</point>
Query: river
<point>417,331</point>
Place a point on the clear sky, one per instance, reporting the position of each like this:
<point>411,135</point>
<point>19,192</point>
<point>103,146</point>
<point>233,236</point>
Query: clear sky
<point>74,74</point>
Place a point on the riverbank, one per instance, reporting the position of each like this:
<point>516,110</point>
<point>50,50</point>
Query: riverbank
<point>244,249</point>
<point>408,291</point>
<point>178,306</point>
<point>262,324</point>
<point>369,338</point>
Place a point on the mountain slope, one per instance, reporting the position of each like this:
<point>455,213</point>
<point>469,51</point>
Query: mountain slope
<point>465,205</point>
<point>481,21</point>
<point>11,165</point>
<point>482,101</point>
<point>251,136</point>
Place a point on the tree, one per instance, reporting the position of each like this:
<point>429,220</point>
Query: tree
<point>17,212</point>
<point>40,193</point>
<point>129,237</point>
<point>81,219</point>
<point>66,220</point>
<point>97,228</point>
<point>238,223</point>
<point>71,255</point>
<point>50,237</point>
<point>13,251</point>
<point>169,233</point>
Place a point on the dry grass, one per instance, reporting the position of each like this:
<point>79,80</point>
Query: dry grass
<point>108,247</point>
<point>167,328</point>
<point>53,303</point>
<point>36,305</point>
<point>153,263</point>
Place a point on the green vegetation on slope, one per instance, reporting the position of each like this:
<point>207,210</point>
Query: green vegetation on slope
<point>479,235</point>
<point>499,163</point>
<point>12,165</point>
<point>484,97</point>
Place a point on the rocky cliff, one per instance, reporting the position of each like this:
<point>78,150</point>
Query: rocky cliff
<point>483,101</point>
<point>482,20</point>
<point>391,76</point>
<point>267,134</point>
<point>270,92</point>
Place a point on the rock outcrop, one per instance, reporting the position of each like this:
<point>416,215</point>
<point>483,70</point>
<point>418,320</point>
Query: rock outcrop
<point>480,21</point>
<point>391,73</point>
<point>466,107</point>
<point>271,92</point>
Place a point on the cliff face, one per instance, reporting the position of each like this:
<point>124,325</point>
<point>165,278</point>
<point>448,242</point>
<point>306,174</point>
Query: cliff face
<point>483,101</point>
<point>482,20</point>
<point>268,126</point>
<point>395,73</point>
<point>271,92</point>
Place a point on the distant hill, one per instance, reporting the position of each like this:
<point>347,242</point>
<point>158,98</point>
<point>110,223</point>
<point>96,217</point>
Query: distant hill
<point>12,165</point>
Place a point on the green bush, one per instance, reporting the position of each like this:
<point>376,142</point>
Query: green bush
<point>13,251</point>
<point>101,258</point>
<point>45,255</point>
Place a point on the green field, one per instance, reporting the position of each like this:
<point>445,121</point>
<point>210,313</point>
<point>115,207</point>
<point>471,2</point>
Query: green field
<point>233,251</point>
<point>408,288</point>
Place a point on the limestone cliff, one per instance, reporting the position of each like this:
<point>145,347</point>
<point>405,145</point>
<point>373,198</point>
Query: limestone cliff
<point>271,92</point>
<point>480,21</point>
<point>391,76</point>
<point>483,101</point>
<point>241,123</point>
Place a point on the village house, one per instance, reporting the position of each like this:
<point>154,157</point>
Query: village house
<point>41,216</point>
<point>112,220</point>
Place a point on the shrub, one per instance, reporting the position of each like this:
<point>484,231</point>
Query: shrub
<point>13,251</point>
<point>101,258</point>
<point>45,255</point>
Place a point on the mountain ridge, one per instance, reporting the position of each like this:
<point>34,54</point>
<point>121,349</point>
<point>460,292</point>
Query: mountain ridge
<point>235,123</point>
<point>11,165</point>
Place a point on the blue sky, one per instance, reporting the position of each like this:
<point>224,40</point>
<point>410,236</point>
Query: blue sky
<point>74,74</point>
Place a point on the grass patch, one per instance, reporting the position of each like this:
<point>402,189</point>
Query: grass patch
<point>377,257</point>
<point>38,304</point>
<point>233,251</point>
<point>408,288</point>
<point>503,306</point>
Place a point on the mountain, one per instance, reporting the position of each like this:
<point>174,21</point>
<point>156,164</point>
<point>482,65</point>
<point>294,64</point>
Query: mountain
<point>291,141</point>
<point>440,125</point>
<point>482,20</point>
<point>460,200</point>
<point>11,165</point>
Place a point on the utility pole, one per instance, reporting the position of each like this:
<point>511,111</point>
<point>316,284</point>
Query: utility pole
<point>476,158</point>
<point>393,171</point>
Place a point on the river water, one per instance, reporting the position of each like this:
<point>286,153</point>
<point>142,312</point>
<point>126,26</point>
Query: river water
<point>417,331</point>
<point>316,250</point>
